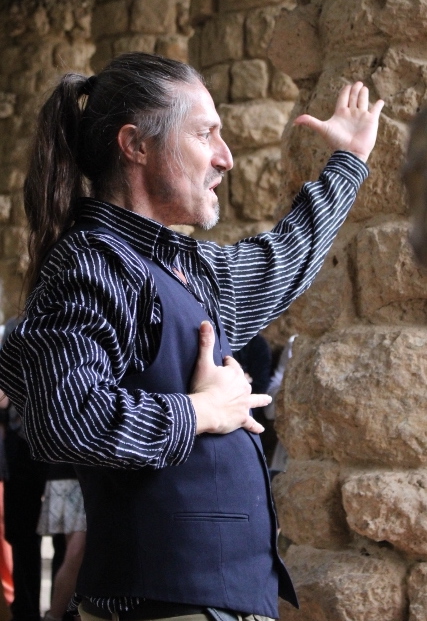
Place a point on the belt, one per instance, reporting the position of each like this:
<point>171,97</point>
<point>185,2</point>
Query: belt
<point>148,609</point>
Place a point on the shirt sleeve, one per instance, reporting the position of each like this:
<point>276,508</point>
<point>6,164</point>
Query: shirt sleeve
<point>259,277</point>
<point>74,348</point>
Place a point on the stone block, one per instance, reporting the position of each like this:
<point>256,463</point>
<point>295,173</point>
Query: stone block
<point>256,123</point>
<point>137,43</point>
<point>350,25</point>
<point>104,53</point>
<point>24,83</point>
<point>243,5</point>
<point>222,39</point>
<point>11,178</point>
<point>383,191</point>
<point>295,46</point>
<point>7,104</point>
<point>391,286</point>
<point>320,308</point>
<point>201,10</point>
<point>402,82</point>
<point>389,506</point>
<point>283,87</point>
<point>10,288</point>
<point>173,46</point>
<point>259,29</point>
<point>255,180</point>
<point>309,505</point>
<point>18,215</point>
<point>14,242</point>
<point>417,592</point>
<point>249,80</point>
<point>5,207</point>
<point>402,20</point>
<point>73,57</point>
<point>153,17</point>
<point>357,395</point>
<point>346,586</point>
<point>218,82</point>
<point>109,18</point>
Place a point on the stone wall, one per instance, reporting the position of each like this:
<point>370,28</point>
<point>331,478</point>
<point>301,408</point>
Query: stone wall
<point>352,503</point>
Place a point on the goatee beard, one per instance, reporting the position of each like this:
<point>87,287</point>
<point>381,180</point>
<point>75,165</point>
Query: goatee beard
<point>208,223</point>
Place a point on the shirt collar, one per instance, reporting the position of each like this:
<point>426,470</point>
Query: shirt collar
<point>149,237</point>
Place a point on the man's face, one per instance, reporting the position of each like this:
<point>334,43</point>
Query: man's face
<point>181,181</point>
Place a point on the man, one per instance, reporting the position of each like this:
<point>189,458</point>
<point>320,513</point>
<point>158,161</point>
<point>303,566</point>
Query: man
<point>123,364</point>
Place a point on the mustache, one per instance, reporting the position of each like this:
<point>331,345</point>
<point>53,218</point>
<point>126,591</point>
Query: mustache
<point>213,176</point>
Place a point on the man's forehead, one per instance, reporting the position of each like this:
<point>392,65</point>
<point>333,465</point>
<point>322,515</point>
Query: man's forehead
<point>203,111</point>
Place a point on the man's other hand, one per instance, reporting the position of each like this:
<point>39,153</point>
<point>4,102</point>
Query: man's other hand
<point>222,396</point>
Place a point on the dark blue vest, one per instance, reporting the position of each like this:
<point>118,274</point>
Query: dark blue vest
<point>203,532</point>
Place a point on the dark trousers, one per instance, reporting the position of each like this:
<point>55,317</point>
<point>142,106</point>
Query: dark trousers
<point>22,501</point>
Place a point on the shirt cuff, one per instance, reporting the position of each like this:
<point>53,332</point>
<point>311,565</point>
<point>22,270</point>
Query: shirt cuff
<point>349,166</point>
<point>182,430</point>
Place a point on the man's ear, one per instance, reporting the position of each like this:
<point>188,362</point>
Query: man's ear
<point>129,144</point>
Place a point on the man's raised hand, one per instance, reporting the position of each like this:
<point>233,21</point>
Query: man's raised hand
<point>222,396</point>
<point>354,124</point>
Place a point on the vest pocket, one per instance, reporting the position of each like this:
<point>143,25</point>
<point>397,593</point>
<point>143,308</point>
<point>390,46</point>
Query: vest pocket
<point>210,517</point>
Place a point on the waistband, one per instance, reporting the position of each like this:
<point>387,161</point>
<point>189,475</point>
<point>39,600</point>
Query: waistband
<point>149,609</point>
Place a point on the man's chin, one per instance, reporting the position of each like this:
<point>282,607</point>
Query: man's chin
<point>206,221</point>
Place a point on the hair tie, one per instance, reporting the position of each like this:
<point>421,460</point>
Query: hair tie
<point>88,86</point>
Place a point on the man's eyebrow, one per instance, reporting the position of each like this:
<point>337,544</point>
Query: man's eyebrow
<point>208,122</point>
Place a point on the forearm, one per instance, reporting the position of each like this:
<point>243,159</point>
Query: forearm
<point>264,274</point>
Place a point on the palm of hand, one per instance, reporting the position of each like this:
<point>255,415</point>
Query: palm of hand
<point>353,126</point>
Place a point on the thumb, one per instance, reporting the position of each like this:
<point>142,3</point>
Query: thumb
<point>309,121</point>
<point>206,343</point>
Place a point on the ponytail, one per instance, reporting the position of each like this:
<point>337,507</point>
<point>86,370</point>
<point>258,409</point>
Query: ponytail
<point>53,181</point>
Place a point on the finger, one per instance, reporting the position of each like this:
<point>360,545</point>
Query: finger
<point>206,343</point>
<point>363,100</point>
<point>309,121</point>
<point>229,361</point>
<point>353,98</point>
<point>253,426</point>
<point>343,97</point>
<point>259,401</point>
<point>377,107</point>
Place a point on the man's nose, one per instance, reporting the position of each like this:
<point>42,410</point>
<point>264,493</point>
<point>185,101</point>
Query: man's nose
<point>222,157</point>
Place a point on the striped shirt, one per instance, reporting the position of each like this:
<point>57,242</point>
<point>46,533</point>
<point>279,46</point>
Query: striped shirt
<point>95,316</point>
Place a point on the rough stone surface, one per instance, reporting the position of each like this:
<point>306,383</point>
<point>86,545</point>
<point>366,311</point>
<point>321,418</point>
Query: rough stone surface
<point>255,182</point>
<point>346,396</point>
<point>229,31</point>
<point>218,82</point>
<point>5,207</point>
<point>110,18</point>
<point>308,499</point>
<point>320,309</point>
<point>249,80</point>
<point>153,17</point>
<point>254,123</point>
<point>391,286</point>
<point>417,592</point>
<point>389,506</point>
<point>259,28</point>
<point>296,32</point>
<point>346,585</point>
